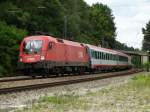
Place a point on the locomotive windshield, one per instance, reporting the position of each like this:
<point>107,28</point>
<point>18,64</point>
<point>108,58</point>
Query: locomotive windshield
<point>32,46</point>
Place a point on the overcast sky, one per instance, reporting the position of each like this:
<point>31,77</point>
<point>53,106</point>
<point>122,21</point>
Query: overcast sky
<point>130,17</point>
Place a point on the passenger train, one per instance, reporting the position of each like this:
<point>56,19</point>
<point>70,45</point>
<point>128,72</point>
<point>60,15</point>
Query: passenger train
<point>48,55</point>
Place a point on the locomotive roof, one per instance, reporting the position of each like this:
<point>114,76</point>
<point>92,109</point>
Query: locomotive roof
<point>43,37</point>
<point>38,37</point>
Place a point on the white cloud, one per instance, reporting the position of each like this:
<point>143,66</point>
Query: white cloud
<point>130,17</point>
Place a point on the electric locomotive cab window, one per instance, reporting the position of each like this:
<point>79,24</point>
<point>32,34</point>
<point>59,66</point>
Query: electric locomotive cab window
<point>32,46</point>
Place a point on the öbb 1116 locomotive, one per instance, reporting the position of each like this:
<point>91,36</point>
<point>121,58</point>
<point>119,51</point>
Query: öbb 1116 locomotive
<point>48,55</point>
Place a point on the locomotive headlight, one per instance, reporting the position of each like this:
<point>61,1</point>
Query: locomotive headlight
<point>42,58</point>
<point>20,59</point>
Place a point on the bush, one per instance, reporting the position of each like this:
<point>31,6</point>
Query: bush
<point>147,66</point>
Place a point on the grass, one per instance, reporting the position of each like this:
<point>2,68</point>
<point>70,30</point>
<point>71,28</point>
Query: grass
<point>131,97</point>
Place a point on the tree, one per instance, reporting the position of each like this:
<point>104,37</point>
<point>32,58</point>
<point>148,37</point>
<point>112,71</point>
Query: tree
<point>146,40</point>
<point>10,37</point>
<point>103,24</point>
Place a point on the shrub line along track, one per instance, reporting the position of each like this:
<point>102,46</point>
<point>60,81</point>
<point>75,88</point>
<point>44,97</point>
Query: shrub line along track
<point>66,82</point>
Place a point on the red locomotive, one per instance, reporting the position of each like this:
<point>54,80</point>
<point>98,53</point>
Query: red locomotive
<point>51,55</point>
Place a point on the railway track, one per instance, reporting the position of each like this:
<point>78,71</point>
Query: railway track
<point>65,82</point>
<point>9,79</point>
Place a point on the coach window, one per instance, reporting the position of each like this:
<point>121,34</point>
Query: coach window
<point>102,55</point>
<point>110,56</point>
<point>96,55</point>
<point>99,55</point>
<point>107,56</point>
<point>116,57</point>
<point>92,53</point>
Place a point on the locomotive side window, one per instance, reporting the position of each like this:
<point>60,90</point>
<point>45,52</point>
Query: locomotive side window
<point>50,45</point>
<point>60,40</point>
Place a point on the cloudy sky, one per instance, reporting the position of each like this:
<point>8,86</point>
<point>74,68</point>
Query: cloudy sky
<point>130,17</point>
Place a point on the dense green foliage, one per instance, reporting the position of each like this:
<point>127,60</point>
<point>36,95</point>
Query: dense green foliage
<point>147,66</point>
<point>146,41</point>
<point>10,37</point>
<point>69,19</point>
